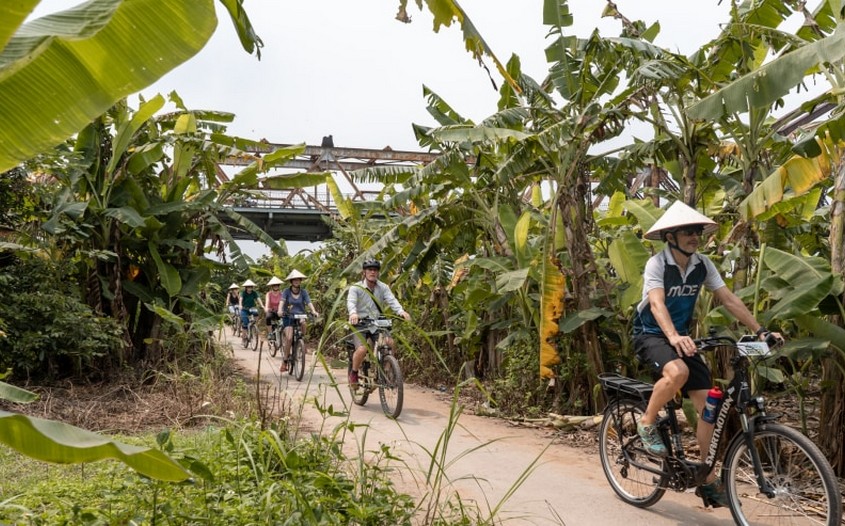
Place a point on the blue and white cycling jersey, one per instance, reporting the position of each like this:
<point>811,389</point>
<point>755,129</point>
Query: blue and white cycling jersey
<point>680,289</point>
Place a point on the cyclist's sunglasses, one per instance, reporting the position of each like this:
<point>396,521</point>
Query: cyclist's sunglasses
<point>694,230</point>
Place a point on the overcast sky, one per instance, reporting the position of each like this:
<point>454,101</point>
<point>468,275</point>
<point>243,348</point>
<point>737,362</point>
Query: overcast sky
<point>349,69</point>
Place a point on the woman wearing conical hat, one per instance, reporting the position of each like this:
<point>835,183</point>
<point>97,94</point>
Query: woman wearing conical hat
<point>271,303</point>
<point>248,300</point>
<point>295,300</point>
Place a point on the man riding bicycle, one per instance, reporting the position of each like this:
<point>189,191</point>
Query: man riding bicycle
<point>365,300</point>
<point>671,283</point>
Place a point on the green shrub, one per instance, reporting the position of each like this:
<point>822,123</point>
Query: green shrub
<point>49,331</point>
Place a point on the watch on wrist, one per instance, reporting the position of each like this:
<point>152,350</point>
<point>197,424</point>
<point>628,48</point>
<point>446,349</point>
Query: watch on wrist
<point>762,330</point>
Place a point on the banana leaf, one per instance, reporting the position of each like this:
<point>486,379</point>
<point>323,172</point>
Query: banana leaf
<point>61,71</point>
<point>65,444</point>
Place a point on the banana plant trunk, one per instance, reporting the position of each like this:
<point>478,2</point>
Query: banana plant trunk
<point>576,212</point>
<point>832,430</point>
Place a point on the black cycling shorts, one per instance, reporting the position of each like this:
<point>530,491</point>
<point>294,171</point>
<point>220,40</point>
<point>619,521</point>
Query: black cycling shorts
<point>654,351</point>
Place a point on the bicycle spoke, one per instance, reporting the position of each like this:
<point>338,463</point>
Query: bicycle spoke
<point>803,491</point>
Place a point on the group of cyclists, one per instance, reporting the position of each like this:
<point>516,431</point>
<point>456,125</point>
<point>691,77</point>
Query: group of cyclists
<point>365,299</point>
<point>278,305</point>
<point>672,281</point>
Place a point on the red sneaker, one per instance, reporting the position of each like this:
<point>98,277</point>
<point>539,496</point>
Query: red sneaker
<point>353,379</point>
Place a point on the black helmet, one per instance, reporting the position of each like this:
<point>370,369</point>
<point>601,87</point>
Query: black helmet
<point>371,263</point>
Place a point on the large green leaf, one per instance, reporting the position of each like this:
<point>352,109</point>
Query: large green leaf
<point>16,394</point>
<point>821,328</point>
<point>628,257</point>
<point>297,180</point>
<point>65,444</point>
<point>511,280</point>
<point>764,86</point>
<point>127,129</point>
<point>579,318</point>
<point>809,280</point>
<point>61,71</point>
<point>646,213</point>
<point>167,273</point>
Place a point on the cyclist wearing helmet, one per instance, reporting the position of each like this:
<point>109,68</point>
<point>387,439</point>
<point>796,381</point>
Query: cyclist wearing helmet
<point>367,299</point>
<point>671,283</point>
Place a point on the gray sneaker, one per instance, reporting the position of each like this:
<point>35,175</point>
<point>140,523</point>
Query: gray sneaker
<point>651,440</point>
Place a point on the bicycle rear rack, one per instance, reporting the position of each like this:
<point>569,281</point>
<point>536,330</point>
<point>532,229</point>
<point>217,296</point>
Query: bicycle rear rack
<point>618,386</point>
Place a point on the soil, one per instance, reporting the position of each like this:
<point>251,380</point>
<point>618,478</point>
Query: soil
<point>486,458</point>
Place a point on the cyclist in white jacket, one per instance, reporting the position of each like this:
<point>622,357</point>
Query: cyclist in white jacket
<point>367,299</point>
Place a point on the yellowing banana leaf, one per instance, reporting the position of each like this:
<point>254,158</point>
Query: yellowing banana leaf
<point>59,72</point>
<point>65,444</point>
<point>14,14</point>
<point>520,237</point>
<point>551,310</point>
<point>797,174</point>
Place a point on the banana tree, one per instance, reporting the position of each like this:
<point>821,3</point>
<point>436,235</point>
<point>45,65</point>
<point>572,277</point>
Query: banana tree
<point>137,210</point>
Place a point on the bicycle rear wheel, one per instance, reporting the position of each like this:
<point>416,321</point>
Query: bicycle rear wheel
<point>297,365</point>
<point>805,488</point>
<point>625,463</point>
<point>390,386</point>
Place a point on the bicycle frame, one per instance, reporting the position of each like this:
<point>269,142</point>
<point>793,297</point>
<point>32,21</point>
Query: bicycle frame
<point>682,473</point>
<point>375,336</point>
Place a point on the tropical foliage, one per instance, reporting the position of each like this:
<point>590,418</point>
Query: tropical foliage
<point>519,250</point>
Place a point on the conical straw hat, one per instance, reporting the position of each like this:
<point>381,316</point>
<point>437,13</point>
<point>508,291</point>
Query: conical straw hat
<point>295,274</point>
<point>274,281</point>
<point>249,283</point>
<point>233,286</point>
<point>679,215</point>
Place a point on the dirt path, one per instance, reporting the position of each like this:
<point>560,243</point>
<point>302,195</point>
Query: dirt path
<point>487,455</point>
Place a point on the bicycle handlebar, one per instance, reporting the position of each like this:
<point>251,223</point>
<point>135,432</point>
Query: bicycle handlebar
<point>709,343</point>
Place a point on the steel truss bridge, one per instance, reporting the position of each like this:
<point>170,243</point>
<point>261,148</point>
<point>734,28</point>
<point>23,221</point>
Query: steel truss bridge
<point>297,214</point>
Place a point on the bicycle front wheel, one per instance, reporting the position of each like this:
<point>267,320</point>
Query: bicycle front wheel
<point>804,487</point>
<point>390,386</point>
<point>274,343</point>
<point>253,337</point>
<point>298,359</point>
<point>636,477</point>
